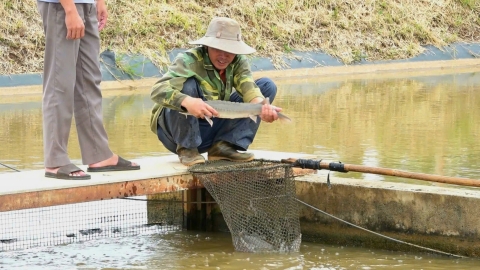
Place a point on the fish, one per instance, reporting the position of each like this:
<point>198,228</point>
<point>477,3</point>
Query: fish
<point>234,110</point>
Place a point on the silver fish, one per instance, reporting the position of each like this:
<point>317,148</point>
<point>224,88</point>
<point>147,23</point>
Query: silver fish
<point>233,110</point>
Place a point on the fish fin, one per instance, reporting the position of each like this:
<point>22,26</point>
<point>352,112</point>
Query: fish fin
<point>254,118</point>
<point>209,121</point>
<point>266,101</point>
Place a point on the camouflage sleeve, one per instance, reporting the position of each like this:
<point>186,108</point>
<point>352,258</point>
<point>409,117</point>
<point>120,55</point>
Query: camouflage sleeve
<point>167,91</point>
<point>243,80</point>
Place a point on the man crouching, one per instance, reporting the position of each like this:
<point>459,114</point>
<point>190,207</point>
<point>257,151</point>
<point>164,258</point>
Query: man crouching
<point>216,70</point>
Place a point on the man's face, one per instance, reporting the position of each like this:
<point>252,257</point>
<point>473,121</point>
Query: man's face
<point>220,59</point>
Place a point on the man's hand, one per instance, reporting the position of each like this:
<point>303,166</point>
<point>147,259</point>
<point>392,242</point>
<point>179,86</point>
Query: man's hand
<point>102,14</point>
<point>73,21</point>
<point>269,112</point>
<point>198,108</point>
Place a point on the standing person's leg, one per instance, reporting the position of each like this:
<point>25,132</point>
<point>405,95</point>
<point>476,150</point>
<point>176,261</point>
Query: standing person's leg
<point>241,132</point>
<point>58,84</point>
<point>92,136</point>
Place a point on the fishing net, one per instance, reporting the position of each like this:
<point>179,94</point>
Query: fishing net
<point>257,200</point>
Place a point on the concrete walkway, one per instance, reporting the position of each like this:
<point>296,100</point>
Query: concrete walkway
<point>30,189</point>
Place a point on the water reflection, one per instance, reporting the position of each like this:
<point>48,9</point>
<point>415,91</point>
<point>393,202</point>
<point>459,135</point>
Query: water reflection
<point>424,124</point>
<point>419,124</point>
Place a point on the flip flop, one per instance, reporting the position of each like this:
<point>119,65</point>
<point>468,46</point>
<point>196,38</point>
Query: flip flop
<point>65,171</point>
<point>122,165</point>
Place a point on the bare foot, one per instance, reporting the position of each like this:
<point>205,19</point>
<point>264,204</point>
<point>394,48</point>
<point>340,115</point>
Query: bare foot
<point>55,170</point>
<point>113,160</point>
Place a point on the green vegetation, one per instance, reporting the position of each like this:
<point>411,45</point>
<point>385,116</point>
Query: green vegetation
<point>348,29</point>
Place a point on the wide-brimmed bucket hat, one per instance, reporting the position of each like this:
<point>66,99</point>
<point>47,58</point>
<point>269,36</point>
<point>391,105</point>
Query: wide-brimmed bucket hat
<point>224,34</point>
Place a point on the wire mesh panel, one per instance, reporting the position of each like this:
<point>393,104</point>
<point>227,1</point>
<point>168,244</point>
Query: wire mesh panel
<point>257,200</point>
<point>64,224</point>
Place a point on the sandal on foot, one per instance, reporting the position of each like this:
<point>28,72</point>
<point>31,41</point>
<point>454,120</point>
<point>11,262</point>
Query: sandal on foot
<point>122,165</point>
<point>65,171</point>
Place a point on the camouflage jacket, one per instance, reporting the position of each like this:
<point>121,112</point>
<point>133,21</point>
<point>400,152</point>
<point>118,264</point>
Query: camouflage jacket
<point>195,63</point>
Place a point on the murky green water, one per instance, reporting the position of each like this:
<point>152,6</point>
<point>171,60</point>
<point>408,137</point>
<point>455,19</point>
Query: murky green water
<point>428,124</point>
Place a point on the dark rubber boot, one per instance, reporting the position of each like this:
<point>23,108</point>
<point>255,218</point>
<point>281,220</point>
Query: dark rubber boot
<point>225,151</point>
<point>189,157</point>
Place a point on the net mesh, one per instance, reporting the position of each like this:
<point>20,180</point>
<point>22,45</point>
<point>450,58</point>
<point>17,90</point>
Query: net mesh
<point>257,200</point>
<point>64,224</point>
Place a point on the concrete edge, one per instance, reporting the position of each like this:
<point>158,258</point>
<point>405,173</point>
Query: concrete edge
<point>429,187</point>
<point>440,217</point>
<point>330,73</point>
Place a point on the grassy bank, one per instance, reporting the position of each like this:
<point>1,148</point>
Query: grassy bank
<point>348,29</point>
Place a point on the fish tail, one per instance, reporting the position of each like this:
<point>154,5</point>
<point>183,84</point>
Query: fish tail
<point>283,118</point>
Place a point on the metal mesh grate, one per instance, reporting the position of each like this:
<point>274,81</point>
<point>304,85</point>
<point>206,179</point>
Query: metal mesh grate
<point>64,224</point>
<point>257,200</point>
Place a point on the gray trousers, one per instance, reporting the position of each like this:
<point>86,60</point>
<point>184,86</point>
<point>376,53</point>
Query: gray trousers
<point>71,86</point>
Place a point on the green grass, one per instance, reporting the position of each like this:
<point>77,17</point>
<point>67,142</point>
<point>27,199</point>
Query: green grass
<point>346,29</point>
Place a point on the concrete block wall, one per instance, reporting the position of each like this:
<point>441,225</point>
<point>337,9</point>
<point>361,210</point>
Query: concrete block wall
<point>437,216</point>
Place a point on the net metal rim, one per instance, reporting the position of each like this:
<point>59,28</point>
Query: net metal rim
<point>235,166</point>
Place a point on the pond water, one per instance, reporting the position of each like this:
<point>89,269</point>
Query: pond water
<point>428,123</point>
<point>193,250</point>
